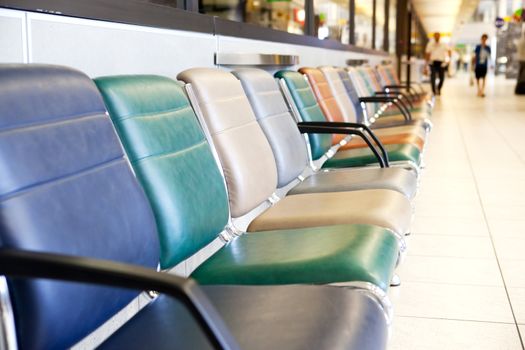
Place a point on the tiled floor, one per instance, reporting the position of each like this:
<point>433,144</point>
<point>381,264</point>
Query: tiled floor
<point>463,280</point>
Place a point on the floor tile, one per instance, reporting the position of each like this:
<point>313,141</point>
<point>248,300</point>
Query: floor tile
<point>450,226</point>
<point>437,334</point>
<point>460,302</point>
<point>450,210</point>
<point>517,299</point>
<point>510,248</point>
<point>481,272</point>
<point>507,228</point>
<point>450,246</point>
<point>513,272</point>
<point>504,212</point>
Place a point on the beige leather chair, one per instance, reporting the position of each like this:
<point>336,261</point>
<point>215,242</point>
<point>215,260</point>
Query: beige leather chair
<point>251,175</point>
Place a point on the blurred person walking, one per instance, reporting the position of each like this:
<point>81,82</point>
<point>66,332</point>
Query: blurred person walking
<point>437,54</point>
<point>520,84</point>
<point>481,62</point>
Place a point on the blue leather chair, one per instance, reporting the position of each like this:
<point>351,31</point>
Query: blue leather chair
<point>78,242</point>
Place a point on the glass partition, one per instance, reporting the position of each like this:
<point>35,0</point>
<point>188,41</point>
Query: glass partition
<point>331,20</point>
<point>392,23</point>
<point>287,15</point>
<point>380,24</point>
<point>363,23</point>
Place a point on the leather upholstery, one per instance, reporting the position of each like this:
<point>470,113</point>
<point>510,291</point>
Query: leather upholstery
<point>347,110</point>
<point>387,140</point>
<point>246,156</point>
<point>65,187</point>
<point>394,178</point>
<point>288,145</point>
<point>172,130</point>
<point>339,92</point>
<point>260,318</point>
<point>308,109</point>
<point>172,160</point>
<point>343,250</point>
<point>392,130</point>
<point>383,208</point>
<point>363,156</point>
<point>352,94</point>
<point>415,129</point>
<point>324,97</point>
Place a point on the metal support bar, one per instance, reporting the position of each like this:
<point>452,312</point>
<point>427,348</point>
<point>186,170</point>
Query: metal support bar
<point>351,8</point>
<point>309,22</point>
<point>386,28</point>
<point>374,13</point>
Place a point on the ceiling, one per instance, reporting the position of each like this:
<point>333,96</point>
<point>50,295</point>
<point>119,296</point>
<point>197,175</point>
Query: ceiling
<point>443,15</point>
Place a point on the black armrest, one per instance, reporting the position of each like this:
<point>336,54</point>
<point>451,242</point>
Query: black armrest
<point>394,101</point>
<point>28,264</point>
<point>396,86</point>
<point>329,129</point>
<point>386,93</point>
<point>355,125</point>
<point>398,90</point>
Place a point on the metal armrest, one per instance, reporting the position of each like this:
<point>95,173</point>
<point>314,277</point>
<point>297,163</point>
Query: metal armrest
<point>27,264</point>
<point>394,101</point>
<point>398,89</point>
<point>304,127</point>
<point>358,126</point>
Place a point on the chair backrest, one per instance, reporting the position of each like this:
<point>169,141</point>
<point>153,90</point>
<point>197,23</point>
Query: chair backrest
<point>325,98</point>
<point>308,108</point>
<point>373,77</point>
<point>363,88</point>
<point>172,160</point>
<point>351,91</point>
<point>273,115</point>
<point>244,152</point>
<point>339,92</point>
<point>387,74</point>
<point>65,187</point>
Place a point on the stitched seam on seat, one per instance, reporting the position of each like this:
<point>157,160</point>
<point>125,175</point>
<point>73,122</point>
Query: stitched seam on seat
<point>51,122</point>
<point>170,154</point>
<point>221,100</point>
<point>267,92</point>
<point>275,115</point>
<point>30,188</point>
<point>154,114</point>
<point>311,107</point>
<point>234,127</point>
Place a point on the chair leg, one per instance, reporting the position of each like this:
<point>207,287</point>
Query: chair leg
<point>396,281</point>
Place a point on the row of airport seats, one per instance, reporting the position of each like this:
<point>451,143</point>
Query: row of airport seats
<point>103,182</point>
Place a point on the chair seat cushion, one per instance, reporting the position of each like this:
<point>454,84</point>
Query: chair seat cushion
<point>364,156</point>
<point>394,113</point>
<point>263,318</point>
<point>398,121</point>
<point>410,139</point>
<point>398,179</point>
<point>383,208</point>
<point>318,255</point>
<point>417,130</point>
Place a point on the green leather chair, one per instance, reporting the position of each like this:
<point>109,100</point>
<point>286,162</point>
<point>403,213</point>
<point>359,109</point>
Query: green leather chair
<point>309,110</point>
<point>175,165</point>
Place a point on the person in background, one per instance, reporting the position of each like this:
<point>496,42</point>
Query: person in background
<point>436,55</point>
<point>520,56</point>
<point>481,61</point>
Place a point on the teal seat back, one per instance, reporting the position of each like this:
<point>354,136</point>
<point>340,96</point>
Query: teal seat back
<point>308,108</point>
<point>172,160</point>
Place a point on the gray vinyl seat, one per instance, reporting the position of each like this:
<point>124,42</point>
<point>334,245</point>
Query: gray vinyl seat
<point>290,148</point>
<point>350,104</point>
<point>263,317</point>
<point>251,172</point>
